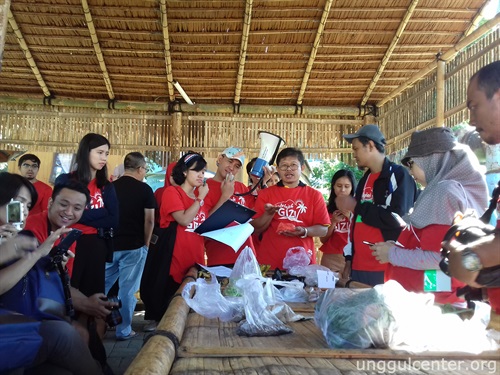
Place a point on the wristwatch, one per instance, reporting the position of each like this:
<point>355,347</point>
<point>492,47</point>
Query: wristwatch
<point>471,261</point>
<point>202,202</point>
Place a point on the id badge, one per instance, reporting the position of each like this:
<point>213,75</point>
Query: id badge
<point>436,281</point>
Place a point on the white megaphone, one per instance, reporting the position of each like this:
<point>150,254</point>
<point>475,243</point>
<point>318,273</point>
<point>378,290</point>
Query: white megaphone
<point>269,146</point>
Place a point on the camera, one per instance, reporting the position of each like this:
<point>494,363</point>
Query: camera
<point>114,318</point>
<point>15,214</point>
<point>466,231</point>
<point>106,233</point>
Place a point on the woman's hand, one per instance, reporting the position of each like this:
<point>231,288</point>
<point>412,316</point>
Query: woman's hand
<point>48,244</point>
<point>337,217</point>
<point>203,191</point>
<point>381,251</point>
<point>7,231</point>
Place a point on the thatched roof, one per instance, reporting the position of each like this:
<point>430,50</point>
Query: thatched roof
<point>263,52</point>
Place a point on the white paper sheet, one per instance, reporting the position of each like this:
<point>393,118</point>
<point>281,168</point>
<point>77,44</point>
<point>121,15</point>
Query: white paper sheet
<point>234,236</point>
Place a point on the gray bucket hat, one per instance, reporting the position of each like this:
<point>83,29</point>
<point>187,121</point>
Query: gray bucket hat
<point>369,131</point>
<point>430,141</point>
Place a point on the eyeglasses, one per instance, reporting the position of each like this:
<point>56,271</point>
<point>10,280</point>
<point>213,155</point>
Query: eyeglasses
<point>32,166</point>
<point>146,169</point>
<point>285,167</point>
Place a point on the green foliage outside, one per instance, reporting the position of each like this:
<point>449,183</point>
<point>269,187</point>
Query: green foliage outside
<point>323,172</point>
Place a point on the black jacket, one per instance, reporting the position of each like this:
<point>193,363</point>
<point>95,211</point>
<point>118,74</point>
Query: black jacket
<point>394,192</point>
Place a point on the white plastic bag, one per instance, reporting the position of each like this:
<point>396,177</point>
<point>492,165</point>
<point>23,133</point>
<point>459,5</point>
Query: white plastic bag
<point>208,301</point>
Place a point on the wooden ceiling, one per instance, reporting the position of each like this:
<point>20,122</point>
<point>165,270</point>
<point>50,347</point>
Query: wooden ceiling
<point>260,52</point>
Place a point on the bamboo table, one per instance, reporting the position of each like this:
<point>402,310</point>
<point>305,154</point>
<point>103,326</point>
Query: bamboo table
<point>187,343</point>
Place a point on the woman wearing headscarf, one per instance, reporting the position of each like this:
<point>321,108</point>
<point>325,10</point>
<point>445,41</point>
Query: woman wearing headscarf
<point>449,171</point>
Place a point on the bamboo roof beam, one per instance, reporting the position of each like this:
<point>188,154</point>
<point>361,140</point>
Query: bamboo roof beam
<point>97,48</point>
<point>166,43</point>
<point>314,51</point>
<point>243,50</point>
<point>27,54</point>
<point>448,55</point>
<point>197,108</point>
<point>388,53</point>
<point>475,21</point>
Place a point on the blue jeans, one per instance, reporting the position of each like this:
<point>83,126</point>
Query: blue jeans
<point>127,266</point>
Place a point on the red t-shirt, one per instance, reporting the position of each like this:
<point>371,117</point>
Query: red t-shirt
<point>96,201</point>
<point>301,206</point>
<point>494,293</point>
<point>39,225</point>
<point>428,238</point>
<point>363,260</point>
<point>339,238</point>
<point>217,252</point>
<point>189,247</point>
<point>44,192</point>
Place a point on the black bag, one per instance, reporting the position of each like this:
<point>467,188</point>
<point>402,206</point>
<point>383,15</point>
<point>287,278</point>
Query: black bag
<point>157,286</point>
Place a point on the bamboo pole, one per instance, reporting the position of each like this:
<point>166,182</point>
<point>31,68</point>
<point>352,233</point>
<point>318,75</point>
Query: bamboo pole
<point>27,53</point>
<point>312,56</point>
<point>440,95</point>
<point>388,53</point>
<point>166,50</point>
<point>176,135</point>
<point>448,55</point>
<point>97,48</point>
<point>159,352</point>
<point>243,50</point>
<point>197,108</point>
<point>4,12</point>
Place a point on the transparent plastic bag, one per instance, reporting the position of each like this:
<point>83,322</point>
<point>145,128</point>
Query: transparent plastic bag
<point>296,256</point>
<point>354,319</point>
<point>208,301</point>
<point>246,264</point>
<point>259,319</point>
<point>310,272</point>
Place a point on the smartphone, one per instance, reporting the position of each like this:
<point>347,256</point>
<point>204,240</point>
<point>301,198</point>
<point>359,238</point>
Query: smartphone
<point>69,238</point>
<point>15,214</point>
<point>65,243</point>
<point>368,243</point>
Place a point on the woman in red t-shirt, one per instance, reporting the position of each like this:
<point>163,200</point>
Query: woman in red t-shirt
<point>343,183</point>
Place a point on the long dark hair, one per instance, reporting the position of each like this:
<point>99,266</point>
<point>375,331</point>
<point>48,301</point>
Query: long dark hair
<point>331,206</point>
<point>185,163</point>
<point>82,172</point>
<point>11,183</point>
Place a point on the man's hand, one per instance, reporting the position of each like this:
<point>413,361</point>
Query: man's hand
<point>98,306</point>
<point>455,265</point>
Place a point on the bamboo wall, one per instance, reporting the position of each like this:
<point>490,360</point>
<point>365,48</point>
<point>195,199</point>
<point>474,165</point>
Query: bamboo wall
<point>415,108</point>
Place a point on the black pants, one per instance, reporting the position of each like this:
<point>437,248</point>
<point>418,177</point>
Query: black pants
<point>90,263</point>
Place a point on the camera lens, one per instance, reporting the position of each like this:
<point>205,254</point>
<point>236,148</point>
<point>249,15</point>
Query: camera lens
<point>114,318</point>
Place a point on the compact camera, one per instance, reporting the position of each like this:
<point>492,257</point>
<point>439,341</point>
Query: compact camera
<point>15,214</point>
<point>114,318</point>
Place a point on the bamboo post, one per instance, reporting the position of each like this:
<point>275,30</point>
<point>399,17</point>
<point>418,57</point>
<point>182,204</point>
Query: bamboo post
<point>176,135</point>
<point>441,67</point>
<point>159,352</point>
<point>4,10</point>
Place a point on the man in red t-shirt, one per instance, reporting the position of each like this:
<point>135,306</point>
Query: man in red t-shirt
<point>65,208</point>
<point>222,187</point>
<point>483,101</point>
<point>385,193</point>
<point>289,214</point>
<point>29,166</point>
